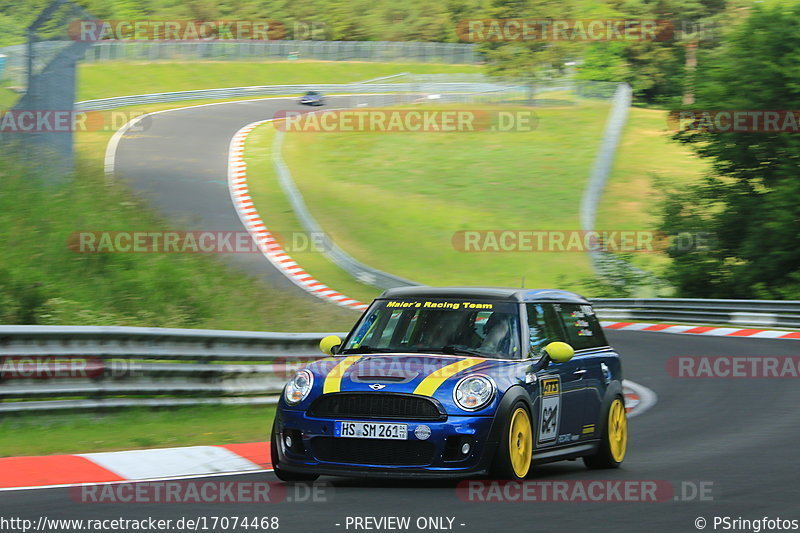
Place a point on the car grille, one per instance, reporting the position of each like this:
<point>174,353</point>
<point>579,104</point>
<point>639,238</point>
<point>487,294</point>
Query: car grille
<point>376,405</point>
<point>373,451</point>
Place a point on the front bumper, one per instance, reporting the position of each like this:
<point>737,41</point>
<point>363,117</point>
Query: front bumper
<point>314,448</point>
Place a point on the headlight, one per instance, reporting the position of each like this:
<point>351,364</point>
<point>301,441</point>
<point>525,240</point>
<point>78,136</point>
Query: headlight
<point>298,387</point>
<point>474,392</point>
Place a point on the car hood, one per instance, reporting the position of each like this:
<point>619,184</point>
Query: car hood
<point>432,375</point>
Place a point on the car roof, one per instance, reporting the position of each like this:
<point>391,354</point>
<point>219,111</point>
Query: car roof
<point>486,293</point>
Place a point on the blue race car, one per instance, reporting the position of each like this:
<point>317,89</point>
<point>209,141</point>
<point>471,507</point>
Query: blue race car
<point>456,382</point>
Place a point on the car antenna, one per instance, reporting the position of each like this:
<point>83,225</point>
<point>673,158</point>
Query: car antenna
<point>522,283</point>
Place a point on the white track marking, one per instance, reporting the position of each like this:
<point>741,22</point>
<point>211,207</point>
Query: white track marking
<point>113,144</point>
<point>647,398</point>
<point>171,462</point>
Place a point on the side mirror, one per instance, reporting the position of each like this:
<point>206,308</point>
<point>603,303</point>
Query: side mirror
<point>329,344</point>
<point>559,352</point>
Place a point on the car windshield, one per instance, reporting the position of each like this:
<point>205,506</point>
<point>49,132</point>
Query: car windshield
<point>457,327</point>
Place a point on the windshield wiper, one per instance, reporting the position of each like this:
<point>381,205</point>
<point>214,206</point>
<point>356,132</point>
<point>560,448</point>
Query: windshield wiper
<point>367,349</point>
<point>452,349</point>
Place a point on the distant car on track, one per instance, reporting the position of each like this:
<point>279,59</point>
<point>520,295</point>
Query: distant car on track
<point>312,98</point>
<point>456,382</point>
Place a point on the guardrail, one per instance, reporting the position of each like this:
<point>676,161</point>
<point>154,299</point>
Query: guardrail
<point>72,367</point>
<point>600,173</point>
<point>284,90</point>
<point>448,90</point>
<point>762,313</point>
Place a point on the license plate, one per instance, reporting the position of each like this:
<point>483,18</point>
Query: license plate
<point>370,430</point>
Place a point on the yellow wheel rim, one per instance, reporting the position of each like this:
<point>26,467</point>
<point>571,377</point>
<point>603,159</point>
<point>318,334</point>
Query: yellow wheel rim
<point>617,430</point>
<point>520,442</point>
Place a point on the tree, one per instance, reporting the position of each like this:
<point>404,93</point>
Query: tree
<point>531,61</point>
<point>660,71</point>
<point>751,202</point>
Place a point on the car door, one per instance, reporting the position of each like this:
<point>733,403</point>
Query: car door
<point>560,413</point>
<point>594,358</point>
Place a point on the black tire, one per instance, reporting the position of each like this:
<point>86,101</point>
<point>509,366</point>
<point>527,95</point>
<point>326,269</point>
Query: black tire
<point>284,475</point>
<point>608,454</point>
<point>510,458</point>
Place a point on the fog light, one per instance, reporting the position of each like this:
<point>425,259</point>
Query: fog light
<point>458,447</point>
<point>288,441</point>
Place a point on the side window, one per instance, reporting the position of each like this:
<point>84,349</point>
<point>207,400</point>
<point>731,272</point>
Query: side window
<point>544,327</point>
<point>582,327</point>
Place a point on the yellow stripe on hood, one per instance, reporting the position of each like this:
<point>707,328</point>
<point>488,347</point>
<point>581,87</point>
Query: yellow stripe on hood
<point>429,385</point>
<point>333,381</point>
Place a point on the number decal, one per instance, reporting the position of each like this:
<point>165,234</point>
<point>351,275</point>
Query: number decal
<point>550,412</point>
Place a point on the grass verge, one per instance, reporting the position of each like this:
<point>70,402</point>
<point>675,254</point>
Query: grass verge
<point>119,78</point>
<point>395,200</point>
<point>43,281</point>
<point>7,98</point>
<point>63,433</point>
<point>631,200</point>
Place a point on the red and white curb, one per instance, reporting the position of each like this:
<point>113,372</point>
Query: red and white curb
<point>269,247</point>
<point>703,330</point>
<point>638,398</point>
<point>133,465</point>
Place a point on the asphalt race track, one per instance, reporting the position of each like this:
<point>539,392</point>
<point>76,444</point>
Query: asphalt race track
<point>738,439</point>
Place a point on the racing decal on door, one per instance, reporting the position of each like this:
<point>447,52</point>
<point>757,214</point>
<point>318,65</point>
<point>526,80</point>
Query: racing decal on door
<point>551,409</point>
